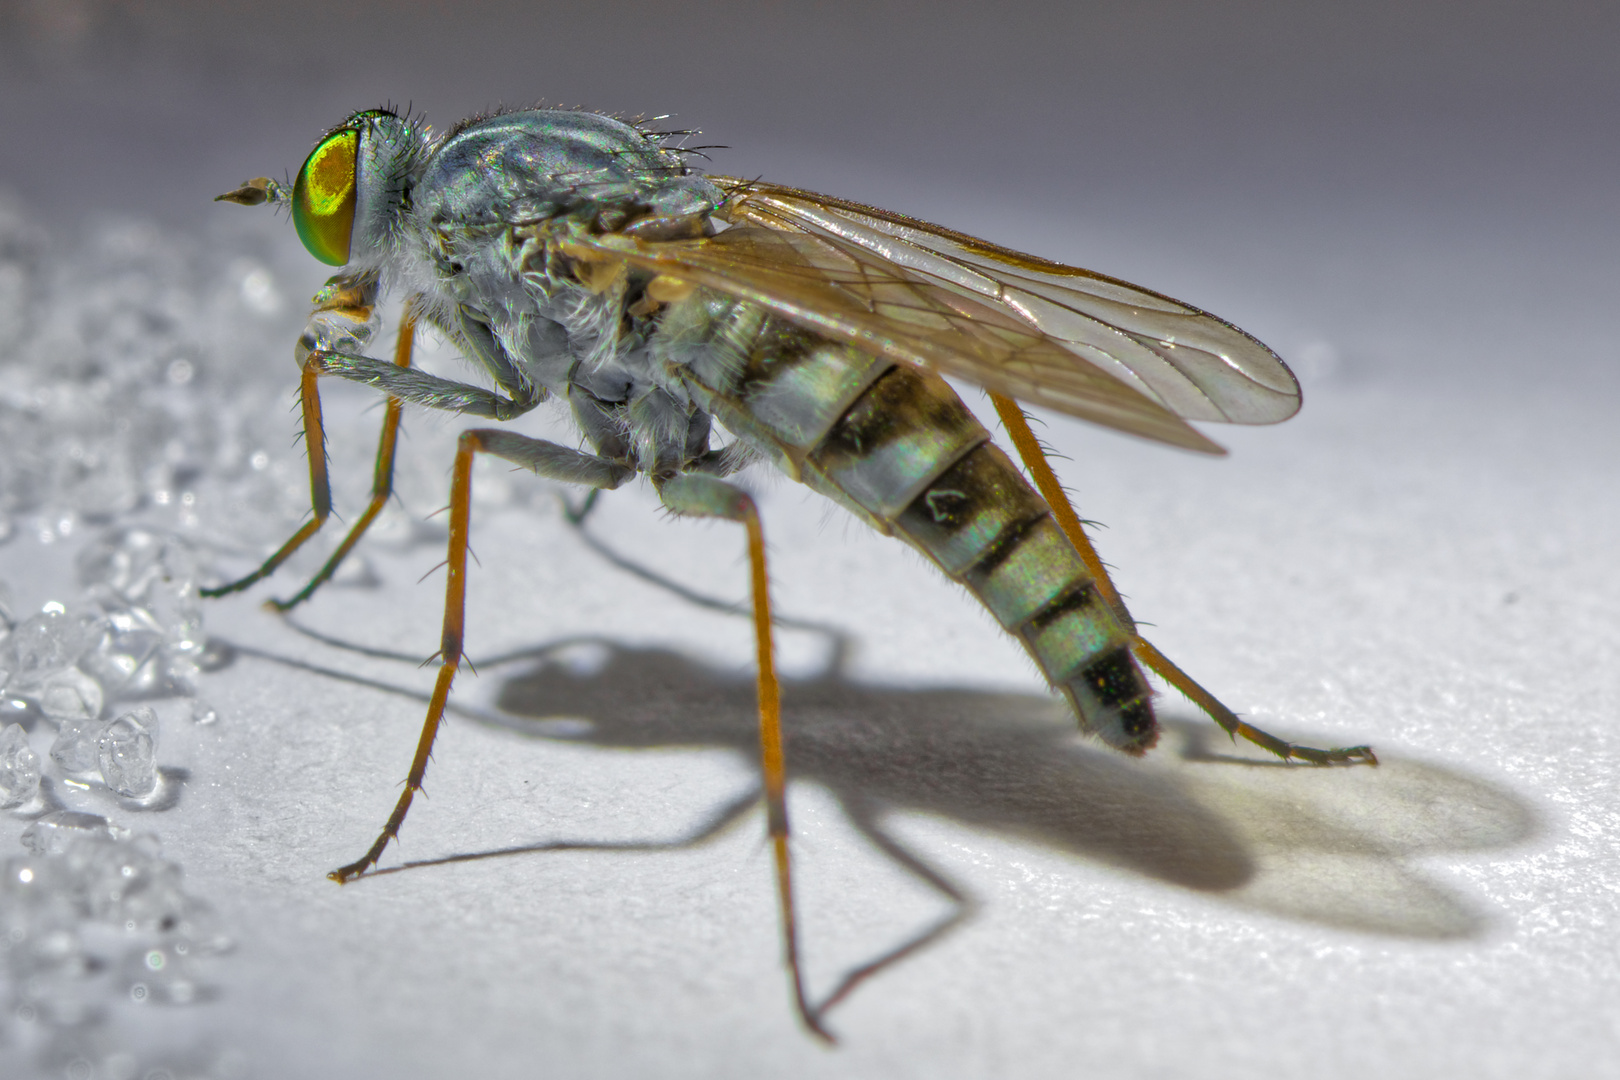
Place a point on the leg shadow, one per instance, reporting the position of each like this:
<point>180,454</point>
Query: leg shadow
<point>1335,847</point>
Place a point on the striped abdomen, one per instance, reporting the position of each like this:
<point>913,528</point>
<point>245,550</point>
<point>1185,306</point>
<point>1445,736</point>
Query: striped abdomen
<point>898,448</point>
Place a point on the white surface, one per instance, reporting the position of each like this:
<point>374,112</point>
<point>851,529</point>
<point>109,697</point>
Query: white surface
<point>1424,567</point>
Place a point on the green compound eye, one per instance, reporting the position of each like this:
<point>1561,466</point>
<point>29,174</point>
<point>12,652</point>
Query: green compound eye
<point>323,197</point>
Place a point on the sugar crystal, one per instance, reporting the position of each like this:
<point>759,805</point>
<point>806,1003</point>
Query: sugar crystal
<point>145,581</point>
<point>150,574</point>
<point>75,747</point>
<point>19,768</point>
<point>70,694</point>
<point>124,664</point>
<point>53,833</point>
<point>128,884</point>
<point>126,753</point>
<point>47,643</point>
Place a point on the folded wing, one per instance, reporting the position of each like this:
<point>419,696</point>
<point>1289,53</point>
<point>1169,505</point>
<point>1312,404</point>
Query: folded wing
<point>1199,366</point>
<point>1087,345</point>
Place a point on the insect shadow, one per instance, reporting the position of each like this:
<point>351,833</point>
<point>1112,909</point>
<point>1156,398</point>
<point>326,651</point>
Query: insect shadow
<point>1330,847</point>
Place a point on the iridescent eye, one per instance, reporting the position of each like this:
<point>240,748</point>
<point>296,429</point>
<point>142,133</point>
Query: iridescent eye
<point>323,197</point>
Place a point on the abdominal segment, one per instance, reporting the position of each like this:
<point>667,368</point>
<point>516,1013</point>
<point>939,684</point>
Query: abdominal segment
<point>897,447</point>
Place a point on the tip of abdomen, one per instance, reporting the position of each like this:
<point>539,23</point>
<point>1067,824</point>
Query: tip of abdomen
<point>1113,702</point>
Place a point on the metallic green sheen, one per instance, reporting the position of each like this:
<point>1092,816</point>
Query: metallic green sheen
<point>806,398</point>
<point>904,432</point>
<point>529,166</point>
<point>1041,565</point>
<point>1069,643</point>
<point>324,197</point>
<point>969,510</point>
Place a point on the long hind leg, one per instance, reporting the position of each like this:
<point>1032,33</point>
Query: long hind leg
<point>698,495</point>
<point>1017,426</point>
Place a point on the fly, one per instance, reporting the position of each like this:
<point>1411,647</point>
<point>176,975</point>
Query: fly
<point>572,255</point>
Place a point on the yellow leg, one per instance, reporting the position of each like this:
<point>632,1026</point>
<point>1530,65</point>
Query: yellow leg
<point>774,764</point>
<point>319,486</point>
<point>450,643</point>
<point>320,490</point>
<point>1017,426</point>
<point>700,495</point>
<point>382,483</point>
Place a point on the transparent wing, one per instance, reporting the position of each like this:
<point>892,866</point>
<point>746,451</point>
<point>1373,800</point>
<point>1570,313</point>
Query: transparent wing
<point>849,292</point>
<point>1198,366</point>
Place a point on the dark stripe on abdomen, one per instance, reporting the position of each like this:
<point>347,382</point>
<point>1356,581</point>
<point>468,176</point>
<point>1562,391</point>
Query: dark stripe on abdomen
<point>898,448</point>
<point>894,440</point>
<point>986,527</point>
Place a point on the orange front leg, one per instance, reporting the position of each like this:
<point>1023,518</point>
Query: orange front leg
<point>320,490</point>
<point>382,483</point>
<point>343,313</point>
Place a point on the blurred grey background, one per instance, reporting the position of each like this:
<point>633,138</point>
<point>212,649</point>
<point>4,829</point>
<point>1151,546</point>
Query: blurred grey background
<point>1297,166</point>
